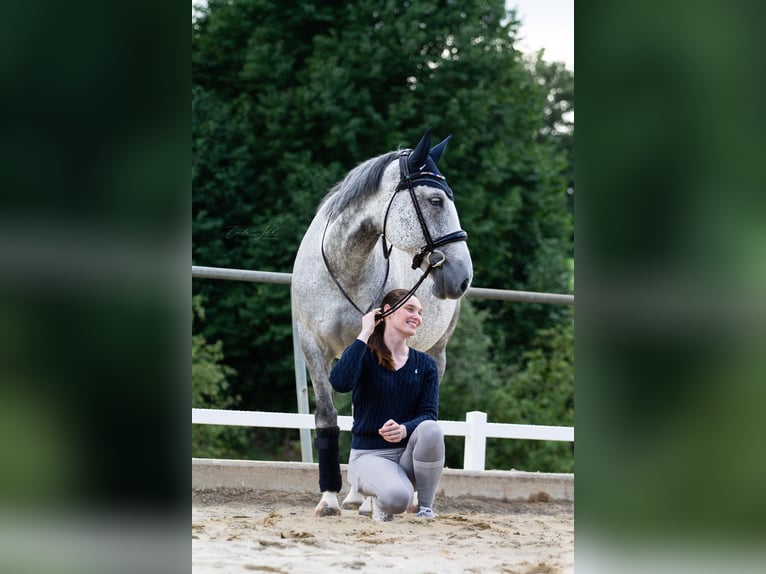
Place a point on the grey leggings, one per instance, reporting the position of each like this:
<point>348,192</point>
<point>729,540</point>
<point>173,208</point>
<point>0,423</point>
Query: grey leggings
<point>393,474</point>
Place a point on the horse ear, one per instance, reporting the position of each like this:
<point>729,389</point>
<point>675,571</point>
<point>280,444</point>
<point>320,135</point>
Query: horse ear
<point>437,151</point>
<point>420,153</point>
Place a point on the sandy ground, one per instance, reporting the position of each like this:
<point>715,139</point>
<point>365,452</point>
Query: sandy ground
<point>267,531</point>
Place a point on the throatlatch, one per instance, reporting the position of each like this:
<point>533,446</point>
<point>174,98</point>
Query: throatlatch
<point>326,443</point>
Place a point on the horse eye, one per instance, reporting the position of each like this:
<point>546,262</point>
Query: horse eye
<point>437,201</point>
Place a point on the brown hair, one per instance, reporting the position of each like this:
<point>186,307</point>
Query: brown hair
<point>376,342</point>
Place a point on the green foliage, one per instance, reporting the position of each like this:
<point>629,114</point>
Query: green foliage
<point>209,390</point>
<point>288,96</point>
<point>559,119</point>
<point>471,379</point>
<point>559,110</point>
<point>208,374</point>
<point>541,393</point>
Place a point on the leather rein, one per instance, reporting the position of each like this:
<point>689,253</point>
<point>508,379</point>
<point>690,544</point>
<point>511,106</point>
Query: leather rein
<point>427,251</point>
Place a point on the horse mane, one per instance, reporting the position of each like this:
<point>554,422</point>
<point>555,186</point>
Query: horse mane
<point>359,183</point>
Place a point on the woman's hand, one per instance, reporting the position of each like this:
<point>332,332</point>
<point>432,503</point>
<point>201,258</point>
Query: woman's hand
<point>369,322</point>
<point>392,431</point>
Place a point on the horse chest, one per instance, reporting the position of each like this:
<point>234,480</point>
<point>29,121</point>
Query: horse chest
<point>435,325</point>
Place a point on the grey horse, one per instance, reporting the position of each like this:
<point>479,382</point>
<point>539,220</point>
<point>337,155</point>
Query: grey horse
<point>390,223</point>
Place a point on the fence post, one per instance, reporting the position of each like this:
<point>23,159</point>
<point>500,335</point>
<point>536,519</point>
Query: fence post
<point>302,393</point>
<point>475,440</point>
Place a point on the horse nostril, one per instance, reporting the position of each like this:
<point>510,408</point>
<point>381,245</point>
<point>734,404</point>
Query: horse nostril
<point>464,286</point>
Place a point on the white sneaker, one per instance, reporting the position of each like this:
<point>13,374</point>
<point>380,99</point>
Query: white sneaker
<point>426,512</point>
<point>377,513</point>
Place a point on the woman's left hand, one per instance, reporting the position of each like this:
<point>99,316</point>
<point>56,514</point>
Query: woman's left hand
<point>369,322</point>
<point>393,431</point>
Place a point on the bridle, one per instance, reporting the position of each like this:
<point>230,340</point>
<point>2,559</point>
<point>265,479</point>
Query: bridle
<point>408,181</point>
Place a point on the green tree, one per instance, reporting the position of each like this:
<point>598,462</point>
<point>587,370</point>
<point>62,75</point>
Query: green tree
<point>559,119</point>
<point>472,378</point>
<point>559,110</point>
<point>540,394</point>
<point>209,389</point>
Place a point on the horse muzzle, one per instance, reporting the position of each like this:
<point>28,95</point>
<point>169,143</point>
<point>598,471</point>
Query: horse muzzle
<point>453,275</point>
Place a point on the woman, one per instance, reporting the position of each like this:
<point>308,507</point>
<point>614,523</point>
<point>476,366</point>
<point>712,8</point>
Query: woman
<point>396,445</point>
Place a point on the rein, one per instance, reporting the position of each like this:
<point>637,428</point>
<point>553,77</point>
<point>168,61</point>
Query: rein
<point>337,283</point>
<point>430,248</point>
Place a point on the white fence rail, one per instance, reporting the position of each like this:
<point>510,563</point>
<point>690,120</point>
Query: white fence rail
<point>475,428</point>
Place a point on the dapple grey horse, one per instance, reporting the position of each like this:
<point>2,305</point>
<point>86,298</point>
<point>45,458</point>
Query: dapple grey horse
<point>390,223</point>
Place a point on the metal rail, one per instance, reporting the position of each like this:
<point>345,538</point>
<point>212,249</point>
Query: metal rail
<point>473,292</point>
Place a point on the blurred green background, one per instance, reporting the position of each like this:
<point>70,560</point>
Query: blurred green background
<point>671,248</point>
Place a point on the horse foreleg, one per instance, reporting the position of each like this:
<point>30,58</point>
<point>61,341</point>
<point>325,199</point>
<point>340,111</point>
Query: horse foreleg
<point>326,443</point>
<point>366,508</point>
<point>328,505</point>
<point>330,481</point>
<point>353,499</point>
<point>414,507</point>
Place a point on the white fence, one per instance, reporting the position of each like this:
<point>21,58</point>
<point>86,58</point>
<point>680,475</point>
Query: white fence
<point>475,428</point>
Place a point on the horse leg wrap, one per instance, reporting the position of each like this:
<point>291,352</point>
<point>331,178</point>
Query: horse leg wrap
<point>326,443</point>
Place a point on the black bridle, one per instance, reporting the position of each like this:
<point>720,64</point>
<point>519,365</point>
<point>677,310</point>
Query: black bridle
<point>407,181</point>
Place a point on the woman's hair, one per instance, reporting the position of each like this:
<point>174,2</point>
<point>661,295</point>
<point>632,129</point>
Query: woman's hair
<point>376,342</point>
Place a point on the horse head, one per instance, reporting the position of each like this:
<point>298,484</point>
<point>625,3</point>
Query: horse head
<point>424,222</point>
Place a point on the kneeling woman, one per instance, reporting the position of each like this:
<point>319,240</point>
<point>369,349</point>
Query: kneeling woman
<point>397,446</point>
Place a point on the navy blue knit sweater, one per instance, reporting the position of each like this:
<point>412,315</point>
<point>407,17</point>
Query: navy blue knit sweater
<point>409,396</point>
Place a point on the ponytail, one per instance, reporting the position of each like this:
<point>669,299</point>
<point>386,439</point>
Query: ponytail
<point>376,342</point>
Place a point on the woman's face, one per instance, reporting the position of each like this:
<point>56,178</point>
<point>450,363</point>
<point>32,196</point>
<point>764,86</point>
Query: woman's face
<point>408,318</point>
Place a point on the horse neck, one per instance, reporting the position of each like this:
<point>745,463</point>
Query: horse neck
<point>352,245</point>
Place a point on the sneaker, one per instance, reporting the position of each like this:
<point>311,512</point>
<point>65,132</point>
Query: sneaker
<point>377,513</point>
<point>426,512</point>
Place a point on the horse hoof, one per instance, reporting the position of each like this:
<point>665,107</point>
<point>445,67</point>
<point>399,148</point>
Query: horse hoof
<point>352,502</point>
<point>324,510</point>
<point>415,506</point>
<point>366,508</point>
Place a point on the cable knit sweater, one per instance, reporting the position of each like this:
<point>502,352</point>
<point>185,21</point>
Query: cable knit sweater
<point>409,395</point>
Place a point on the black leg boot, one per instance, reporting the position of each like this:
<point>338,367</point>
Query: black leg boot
<point>326,443</point>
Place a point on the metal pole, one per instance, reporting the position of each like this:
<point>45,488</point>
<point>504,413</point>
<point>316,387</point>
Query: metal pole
<point>524,296</point>
<point>302,393</point>
<point>473,292</point>
<point>241,275</point>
